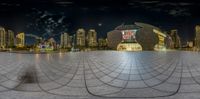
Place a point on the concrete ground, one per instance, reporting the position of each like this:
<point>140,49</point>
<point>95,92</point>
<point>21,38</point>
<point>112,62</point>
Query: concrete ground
<point>100,74</point>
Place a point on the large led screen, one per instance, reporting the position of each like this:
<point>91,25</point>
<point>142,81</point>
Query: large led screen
<point>129,35</point>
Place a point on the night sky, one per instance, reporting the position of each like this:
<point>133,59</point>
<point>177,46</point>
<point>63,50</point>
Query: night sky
<point>50,18</point>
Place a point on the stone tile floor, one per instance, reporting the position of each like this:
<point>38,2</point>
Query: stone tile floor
<point>100,74</point>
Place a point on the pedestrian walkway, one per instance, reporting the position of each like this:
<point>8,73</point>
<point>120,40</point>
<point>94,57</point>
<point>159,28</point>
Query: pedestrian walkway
<point>100,74</point>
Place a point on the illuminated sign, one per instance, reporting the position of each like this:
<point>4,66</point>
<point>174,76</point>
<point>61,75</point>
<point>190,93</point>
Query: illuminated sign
<point>129,35</point>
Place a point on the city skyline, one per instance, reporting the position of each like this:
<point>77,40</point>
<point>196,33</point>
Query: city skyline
<point>33,37</point>
<point>51,18</point>
<point>99,49</point>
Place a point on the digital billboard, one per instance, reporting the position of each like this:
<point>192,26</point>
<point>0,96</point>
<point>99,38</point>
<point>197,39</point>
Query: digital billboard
<point>128,36</point>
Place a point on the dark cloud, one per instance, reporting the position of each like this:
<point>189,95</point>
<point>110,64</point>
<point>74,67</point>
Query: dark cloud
<point>149,2</point>
<point>131,3</point>
<point>157,9</point>
<point>185,4</point>
<point>179,12</point>
<point>64,2</point>
<point>174,4</point>
<point>175,9</point>
<point>9,4</point>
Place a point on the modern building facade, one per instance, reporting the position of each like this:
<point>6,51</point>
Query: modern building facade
<point>169,42</point>
<point>197,36</point>
<point>102,43</point>
<point>190,44</point>
<point>114,38</point>
<point>20,40</point>
<point>10,38</point>
<point>2,38</point>
<point>148,36</point>
<point>80,37</point>
<point>92,38</point>
<point>161,42</point>
<point>175,38</point>
<point>65,40</point>
<point>129,42</point>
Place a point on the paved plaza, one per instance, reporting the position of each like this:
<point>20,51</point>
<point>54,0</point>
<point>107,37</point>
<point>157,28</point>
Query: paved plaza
<point>100,75</point>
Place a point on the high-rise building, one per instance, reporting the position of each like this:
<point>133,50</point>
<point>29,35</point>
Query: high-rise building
<point>92,38</point>
<point>20,40</point>
<point>10,38</point>
<point>175,38</point>
<point>65,40</point>
<point>80,37</point>
<point>197,36</point>
<point>2,38</point>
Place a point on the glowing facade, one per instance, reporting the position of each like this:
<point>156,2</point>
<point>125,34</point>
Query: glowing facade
<point>190,44</point>
<point>129,42</point>
<point>161,40</point>
<point>20,38</point>
<point>102,42</point>
<point>197,38</point>
<point>80,37</point>
<point>145,35</point>
<point>2,38</point>
<point>10,38</point>
<point>129,47</point>
<point>65,40</point>
<point>175,38</point>
<point>92,38</point>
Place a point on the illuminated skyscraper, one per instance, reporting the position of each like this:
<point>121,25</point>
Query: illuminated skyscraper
<point>175,38</point>
<point>65,40</point>
<point>20,40</point>
<point>92,38</point>
<point>197,38</point>
<point>10,38</point>
<point>2,38</point>
<point>80,37</point>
